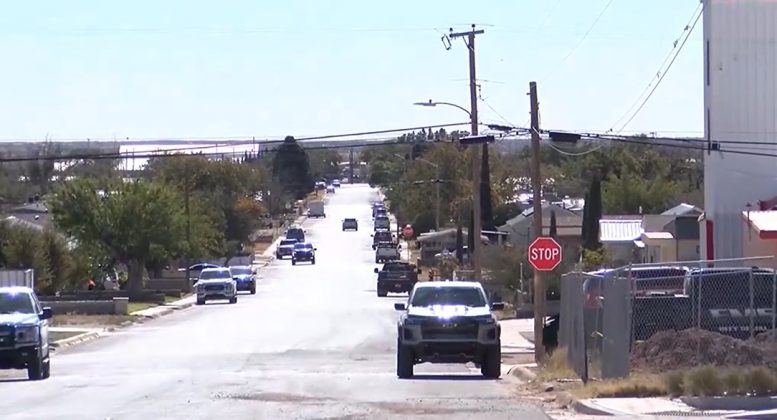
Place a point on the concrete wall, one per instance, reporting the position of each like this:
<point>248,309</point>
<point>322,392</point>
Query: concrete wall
<point>24,278</point>
<point>116,306</point>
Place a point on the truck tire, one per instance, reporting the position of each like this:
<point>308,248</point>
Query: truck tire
<point>293,261</point>
<point>36,369</point>
<point>313,261</point>
<point>233,300</point>
<point>200,301</point>
<point>404,361</point>
<point>491,367</point>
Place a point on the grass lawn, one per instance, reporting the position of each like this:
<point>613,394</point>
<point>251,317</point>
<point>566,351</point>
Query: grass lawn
<point>89,321</point>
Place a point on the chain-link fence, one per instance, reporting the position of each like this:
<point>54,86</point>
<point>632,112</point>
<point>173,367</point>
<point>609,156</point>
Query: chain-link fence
<point>604,314</point>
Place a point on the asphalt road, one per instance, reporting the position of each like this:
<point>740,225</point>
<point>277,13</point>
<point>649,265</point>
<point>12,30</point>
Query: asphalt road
<point>315,342</point>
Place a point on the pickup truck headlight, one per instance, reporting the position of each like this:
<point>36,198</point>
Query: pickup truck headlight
<point>27,334</point>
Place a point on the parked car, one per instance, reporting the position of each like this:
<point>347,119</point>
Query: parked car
<point>244,277</point>
<point>336,183</point>
<point>295,232</point>
<point>216,284</point>
<point>382,222</point>
<point>303,252</point>
<point>24,332</point>
<point>330,189</point>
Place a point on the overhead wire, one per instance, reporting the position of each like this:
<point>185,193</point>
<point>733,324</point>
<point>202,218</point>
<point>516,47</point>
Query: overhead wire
<point>676,52</point>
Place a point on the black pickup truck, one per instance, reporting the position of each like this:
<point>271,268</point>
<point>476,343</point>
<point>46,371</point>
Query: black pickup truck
<point>396,277</point>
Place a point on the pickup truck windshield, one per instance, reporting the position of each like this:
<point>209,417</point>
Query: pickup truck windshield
<point>287,242</point>
<point>303,247</point>
<point>13,303</point>
<point>215,274</point>
<point>241,271</point>
<point>430,296</point>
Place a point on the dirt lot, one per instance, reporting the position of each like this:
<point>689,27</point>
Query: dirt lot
<point>670,350</point>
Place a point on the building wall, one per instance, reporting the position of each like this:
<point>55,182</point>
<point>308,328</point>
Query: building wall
<point>740,84</point>
<point>688,250</point>
<point>659,251</point>
<point>754,246</point>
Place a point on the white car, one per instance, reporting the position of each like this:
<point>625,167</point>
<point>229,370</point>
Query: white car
<point>216,284</point>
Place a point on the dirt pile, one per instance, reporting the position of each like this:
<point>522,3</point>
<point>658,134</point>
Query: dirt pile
<point>669,350</point>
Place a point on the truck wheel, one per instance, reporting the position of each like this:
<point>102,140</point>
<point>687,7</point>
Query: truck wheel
<point>382,293</point>
<point>200,301</point>
<point>313,261</point>
<point>253,289</point>
<point>293,262</point>
<point>36,369</point>
<point>404,361</point>
<point>233,300</point>
<point>492,362</point>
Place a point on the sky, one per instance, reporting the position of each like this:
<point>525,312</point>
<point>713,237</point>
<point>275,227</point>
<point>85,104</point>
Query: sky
<point>157,69</point>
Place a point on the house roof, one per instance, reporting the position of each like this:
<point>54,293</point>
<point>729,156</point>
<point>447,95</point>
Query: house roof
<point>683,209</point>
<point>620,230</point>
<point>657,235</point>
<point>425,237</point>
<point>765,222</point>
<point>528,214</point>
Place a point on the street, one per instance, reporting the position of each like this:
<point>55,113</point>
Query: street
<point>314,342</point>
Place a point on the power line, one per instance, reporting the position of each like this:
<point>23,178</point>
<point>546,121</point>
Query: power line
<point>661,77</point>
<point>581,41</point>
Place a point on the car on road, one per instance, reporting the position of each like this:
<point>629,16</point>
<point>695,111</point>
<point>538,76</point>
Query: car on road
<point>350,224</point>
<point>245,278</point>
<point>316,209</point>
<point>379,212</point>
<point>330,189</point>
<point>382,222</point>
<point>449,322</point>
<point>216,284</point>
<point>286,247</point>
<point>336,183</point>
<point>381,236</point>
<point>194,270</point>
<point>24,332</point>
<point>396,277</point>
<point>386,252</point>
<point>295,232</point>
<point>303,252</point>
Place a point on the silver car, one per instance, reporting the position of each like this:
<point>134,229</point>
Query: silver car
<point>216,284</point>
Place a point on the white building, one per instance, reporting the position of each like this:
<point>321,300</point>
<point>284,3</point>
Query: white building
<point>740,99</point>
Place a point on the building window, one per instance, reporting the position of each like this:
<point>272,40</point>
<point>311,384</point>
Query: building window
<point>698,249</point>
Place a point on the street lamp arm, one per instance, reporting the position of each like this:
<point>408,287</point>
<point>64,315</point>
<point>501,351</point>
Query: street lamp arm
<point>434,103</point>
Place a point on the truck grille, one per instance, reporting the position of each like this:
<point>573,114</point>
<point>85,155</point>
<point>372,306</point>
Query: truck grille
<point>213,287</point>
<point>451,329</point>
<point>6,336</point>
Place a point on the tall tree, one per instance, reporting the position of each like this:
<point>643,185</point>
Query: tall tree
<point>594,214</point>
<point>291,168</point>
<point>486,201</point>
<point>553,229</point>
<point>132,222</point>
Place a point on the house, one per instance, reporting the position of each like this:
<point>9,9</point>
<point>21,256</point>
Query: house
<point>621,238</point>
<point>433,243</point>
<point>673,235</point>
<point>760,237</point>
<point>569,228</point>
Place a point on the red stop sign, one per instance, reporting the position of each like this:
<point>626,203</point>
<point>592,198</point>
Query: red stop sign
<point>545,254</point>
<point>407,231</point>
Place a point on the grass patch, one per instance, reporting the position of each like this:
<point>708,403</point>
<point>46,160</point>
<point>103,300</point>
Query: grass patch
<point>713,381</point>
<point>556,367</point>
<point>139,306</point>
<point>635,386</point>
<point>61,335</point>
<point>92,321</point>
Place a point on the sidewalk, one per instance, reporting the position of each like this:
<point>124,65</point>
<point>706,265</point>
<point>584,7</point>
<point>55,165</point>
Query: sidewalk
<point>167,308</point>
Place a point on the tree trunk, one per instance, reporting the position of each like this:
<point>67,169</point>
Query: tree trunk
<point>459,238</point>
<point>135,276</point>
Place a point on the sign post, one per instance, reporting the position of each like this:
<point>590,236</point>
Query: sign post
<point>545,254</point>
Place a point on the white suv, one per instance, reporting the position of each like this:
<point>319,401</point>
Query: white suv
<point>216,284</point>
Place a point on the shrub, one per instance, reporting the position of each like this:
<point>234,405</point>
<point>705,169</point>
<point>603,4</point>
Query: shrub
<point>704,381</point>
<point>674,382</point>
<point>734,382</point>
<point>760,381</point>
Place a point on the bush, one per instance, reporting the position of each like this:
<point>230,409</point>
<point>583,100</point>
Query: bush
<point>703,381</point>
<point>760,381</point>
<point>674,382</point>
<point>734,382</point>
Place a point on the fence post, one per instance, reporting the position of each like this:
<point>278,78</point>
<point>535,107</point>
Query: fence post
<point>774,299</point>
<point>752,304</point>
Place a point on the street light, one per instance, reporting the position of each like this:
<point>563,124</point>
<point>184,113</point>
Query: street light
<point>477,163</point>
<point>437,191</point>
<point>433,104</point>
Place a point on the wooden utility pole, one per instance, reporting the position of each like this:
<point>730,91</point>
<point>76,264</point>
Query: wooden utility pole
<point>536,180</point>
<point>186,193</point>
<point>477,161</point>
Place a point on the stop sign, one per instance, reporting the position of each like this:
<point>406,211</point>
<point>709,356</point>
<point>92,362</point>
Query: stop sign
<point>407,231</point>
<point>545,254</point>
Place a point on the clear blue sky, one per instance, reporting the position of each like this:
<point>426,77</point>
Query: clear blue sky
<point>172,69</point>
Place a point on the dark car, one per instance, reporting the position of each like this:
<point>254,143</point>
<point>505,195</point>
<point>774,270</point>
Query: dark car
<point>350,224</point>
<point>24,332</point>
<point>381,236</point>
<point>382,222</point>
<point>285,248</point>
<point>295,233</point>
<point>303,252</point>
<point>244,277</point>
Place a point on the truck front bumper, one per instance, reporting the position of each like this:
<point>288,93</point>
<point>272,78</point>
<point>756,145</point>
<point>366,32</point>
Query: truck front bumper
<point>19,357</point>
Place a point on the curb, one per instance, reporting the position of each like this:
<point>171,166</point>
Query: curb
<point>592,409</point>
<point>522,373</point>
<point>77,339</point>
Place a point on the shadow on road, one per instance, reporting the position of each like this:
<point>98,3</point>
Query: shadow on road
<point>10,380</point>
<point>449,377</point>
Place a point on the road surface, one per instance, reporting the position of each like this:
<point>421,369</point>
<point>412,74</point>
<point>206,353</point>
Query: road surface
<point>315,342</point>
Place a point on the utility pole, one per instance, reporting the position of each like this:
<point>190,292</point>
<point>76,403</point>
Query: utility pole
<point>350,165</point>
<point>437,181</point>
<point>536,180</point>
<point>476,157</point>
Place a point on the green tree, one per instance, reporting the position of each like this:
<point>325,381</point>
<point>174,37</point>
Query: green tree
<point>291,168</point>
<point>133,222</point>
<point>553,229</point>
<point>593,214</point>
<point>630,194</point>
